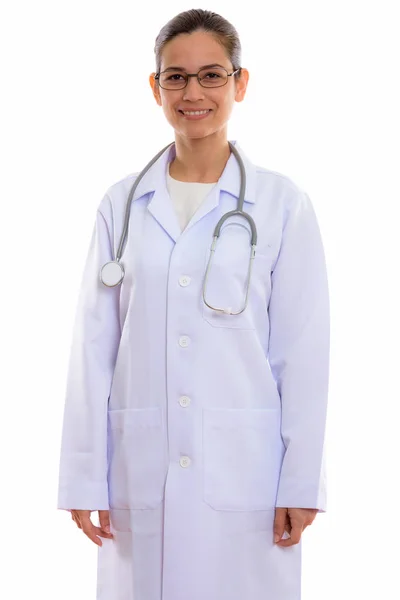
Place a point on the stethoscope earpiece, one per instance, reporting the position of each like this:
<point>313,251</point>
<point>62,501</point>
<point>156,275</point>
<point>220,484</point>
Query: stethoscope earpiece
<point>112,273</point>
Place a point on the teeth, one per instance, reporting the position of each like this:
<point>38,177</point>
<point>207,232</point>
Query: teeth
<point>196,112</point>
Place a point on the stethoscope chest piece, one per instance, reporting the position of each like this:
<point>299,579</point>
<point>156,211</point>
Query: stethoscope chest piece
<point>112,273</point>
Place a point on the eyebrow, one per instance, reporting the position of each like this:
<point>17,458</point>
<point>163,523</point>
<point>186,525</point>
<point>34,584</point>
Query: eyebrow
<point>203,67</point>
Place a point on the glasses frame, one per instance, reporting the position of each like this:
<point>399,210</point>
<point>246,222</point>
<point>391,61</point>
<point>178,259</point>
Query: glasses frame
<point>157,78</point>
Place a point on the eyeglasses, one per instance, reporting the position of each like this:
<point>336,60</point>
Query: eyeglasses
<point>208,78</point>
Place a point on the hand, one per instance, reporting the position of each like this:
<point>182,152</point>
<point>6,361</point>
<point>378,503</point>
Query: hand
<point>294,521</point>
<point>82,519</point>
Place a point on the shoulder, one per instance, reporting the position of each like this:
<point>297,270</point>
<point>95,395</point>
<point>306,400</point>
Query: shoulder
<point>281,190</point>
<point>122,185</point>
<point>114,200</point>
<point>279,182</point>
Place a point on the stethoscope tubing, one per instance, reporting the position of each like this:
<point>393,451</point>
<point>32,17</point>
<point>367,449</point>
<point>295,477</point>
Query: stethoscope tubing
<point>117,267</point>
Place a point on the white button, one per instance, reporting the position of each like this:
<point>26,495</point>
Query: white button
<point>185,461</point>
<point>184,341</point>
<point>184,401</point>
<point>184,280</point>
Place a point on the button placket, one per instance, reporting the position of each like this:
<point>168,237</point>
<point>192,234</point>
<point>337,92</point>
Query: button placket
<point>184,341</point>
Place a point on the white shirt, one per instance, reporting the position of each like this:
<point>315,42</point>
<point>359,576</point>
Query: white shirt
<point>186,197</point>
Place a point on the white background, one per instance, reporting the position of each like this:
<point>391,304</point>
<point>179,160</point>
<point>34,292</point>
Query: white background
<point>322,107</point>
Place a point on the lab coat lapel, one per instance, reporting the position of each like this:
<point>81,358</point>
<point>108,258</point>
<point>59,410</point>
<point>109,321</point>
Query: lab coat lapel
<point>163,211</point>
<point>161,206</point>
<point>229,181</point>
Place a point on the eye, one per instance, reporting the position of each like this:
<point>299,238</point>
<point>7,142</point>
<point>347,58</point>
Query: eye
<point>174,75</point>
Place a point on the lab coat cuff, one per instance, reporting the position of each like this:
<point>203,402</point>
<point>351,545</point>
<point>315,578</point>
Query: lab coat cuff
<point>83,495</point>
<point>298,496</point>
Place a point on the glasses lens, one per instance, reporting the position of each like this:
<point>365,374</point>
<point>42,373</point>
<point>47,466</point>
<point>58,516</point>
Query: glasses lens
<point>176,80</point>
<point>173,80</point>
<point>214,77</point>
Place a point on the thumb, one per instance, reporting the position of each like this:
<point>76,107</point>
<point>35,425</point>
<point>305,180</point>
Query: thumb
<point>279,523</point>
<point>104,520</point>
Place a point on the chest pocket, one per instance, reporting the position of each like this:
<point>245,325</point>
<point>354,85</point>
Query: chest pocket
<point>226,282</point>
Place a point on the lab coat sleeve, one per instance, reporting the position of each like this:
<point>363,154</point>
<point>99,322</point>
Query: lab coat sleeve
<point>95,342</point>
<point>299,355</point>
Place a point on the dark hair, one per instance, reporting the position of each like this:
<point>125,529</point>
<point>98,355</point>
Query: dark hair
<point>201,20</point>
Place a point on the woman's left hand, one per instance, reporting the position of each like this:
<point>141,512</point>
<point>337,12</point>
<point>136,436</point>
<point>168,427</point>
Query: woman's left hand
<point>294,521</point>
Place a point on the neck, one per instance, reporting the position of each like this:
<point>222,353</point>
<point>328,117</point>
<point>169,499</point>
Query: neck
<point>199,160</point>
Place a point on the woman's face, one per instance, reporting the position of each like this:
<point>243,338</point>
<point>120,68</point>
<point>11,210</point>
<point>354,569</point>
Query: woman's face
<point>191,52</point>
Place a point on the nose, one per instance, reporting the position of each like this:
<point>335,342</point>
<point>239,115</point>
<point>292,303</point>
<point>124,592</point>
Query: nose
<point>193,90</point>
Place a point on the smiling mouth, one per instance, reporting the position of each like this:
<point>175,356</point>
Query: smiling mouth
<point>195,111</point>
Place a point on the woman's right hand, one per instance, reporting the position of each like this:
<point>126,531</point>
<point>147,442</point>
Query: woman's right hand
<point>83,521</point>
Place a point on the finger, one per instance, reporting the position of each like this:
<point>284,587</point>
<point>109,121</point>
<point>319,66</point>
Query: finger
<point>104,520</point>
<point>294,538</point>
<point>305,525</point>
<point>90,530</point>
<point>77,522</point>
<point>75,518</point>
<point>99,531</point>
<point>309,520</point>
<point>279,523</point>
<point>288,524</point>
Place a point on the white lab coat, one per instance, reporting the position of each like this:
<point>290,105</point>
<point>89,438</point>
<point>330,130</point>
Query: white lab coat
<point>191,425</point>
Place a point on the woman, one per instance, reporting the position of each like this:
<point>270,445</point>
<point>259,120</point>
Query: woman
<point>198,435</point>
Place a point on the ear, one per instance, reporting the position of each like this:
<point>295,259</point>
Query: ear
<point>156,89</point>
<point>241,85</point>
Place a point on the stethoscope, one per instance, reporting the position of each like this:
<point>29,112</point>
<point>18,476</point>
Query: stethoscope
<point>112,273</point>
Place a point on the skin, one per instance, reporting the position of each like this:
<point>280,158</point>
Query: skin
<point>202,148</point>
<point>294,521</point>
<point>202,151</point>
<point>83,521</point>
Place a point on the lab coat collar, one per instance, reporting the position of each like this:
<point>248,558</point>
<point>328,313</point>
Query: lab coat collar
<point>155,181</point>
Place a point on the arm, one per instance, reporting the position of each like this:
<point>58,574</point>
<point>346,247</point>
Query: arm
<point>95,341</point>
<point>299,355</point>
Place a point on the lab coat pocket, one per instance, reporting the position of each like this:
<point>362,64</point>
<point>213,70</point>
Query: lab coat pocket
<point>226,284</point>
<point>242,450</point>
<point>137,458</point>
